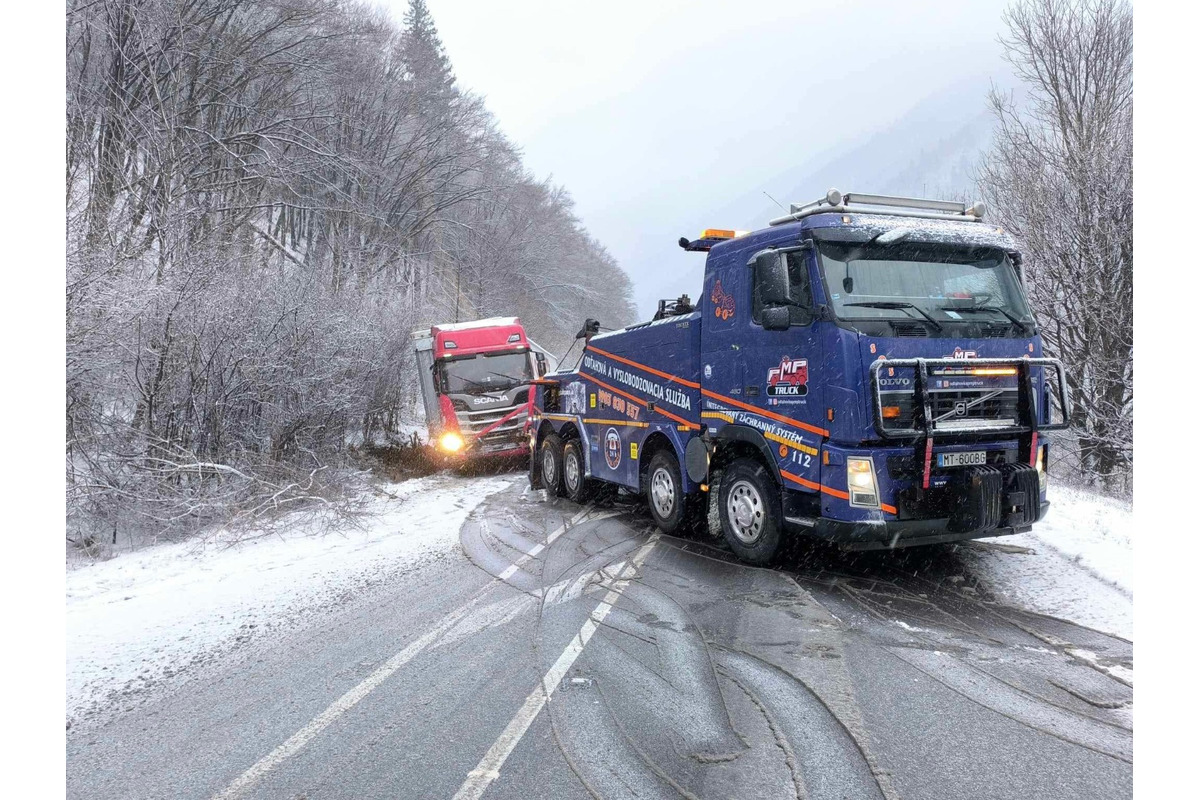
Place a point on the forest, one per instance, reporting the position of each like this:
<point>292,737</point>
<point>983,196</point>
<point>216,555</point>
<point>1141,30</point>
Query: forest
<point>264,198</point>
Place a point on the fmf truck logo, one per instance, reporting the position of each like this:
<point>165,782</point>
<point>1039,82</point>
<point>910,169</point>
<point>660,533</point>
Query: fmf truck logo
<point>789,379</point>
<point>723,306</point>
<point>612,448</point>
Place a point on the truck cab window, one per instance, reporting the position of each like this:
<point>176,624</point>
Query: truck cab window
<point>798,288</point>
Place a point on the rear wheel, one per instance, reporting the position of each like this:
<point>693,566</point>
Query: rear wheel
<point>576,486</point>
<point>749,511</point>
<point>550,455</point>
<point>664,491</point>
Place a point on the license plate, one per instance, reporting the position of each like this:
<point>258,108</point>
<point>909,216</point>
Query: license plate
<point>974,458</point>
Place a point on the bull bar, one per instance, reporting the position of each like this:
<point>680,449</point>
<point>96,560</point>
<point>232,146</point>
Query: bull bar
<point>924,425</point>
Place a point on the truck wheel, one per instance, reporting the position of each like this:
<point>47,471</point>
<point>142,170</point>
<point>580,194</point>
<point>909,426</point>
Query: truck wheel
<point>664,491</point>
<point>576,486</point>
<point>551,458</point>
<point>749,511</point>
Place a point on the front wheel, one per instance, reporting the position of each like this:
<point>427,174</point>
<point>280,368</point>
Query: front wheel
<point>749,511</point>
<point>550,455</point>
<point>664,491</point>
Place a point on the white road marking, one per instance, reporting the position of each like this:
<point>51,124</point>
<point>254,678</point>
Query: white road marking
<point>342,705</point>
<point>351,698</point>
<point>488,768</point>
<point>538,548</point>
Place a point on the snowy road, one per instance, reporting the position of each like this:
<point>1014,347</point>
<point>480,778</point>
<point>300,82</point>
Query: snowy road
<point>559,651</point>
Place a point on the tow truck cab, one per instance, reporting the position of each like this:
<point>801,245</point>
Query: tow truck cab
<point>476,380</point>
<point>866,369</point>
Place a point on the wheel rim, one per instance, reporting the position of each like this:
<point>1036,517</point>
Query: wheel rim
<point>745,512</point>
<point>662,492</point>
<point>549,473</point>
<point>571,471</point>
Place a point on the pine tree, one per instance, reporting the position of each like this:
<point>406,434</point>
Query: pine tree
<point>425,60</point>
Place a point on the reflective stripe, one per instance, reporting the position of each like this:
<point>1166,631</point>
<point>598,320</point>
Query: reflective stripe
<point>651,370</point>
<point>770,415</point>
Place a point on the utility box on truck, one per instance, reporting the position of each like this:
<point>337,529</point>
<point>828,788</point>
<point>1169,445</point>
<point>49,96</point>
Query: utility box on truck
<point>865,369</point>
<point>476,380</point>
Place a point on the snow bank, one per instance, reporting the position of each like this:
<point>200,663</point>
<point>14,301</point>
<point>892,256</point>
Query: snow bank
<point>146,615</point>
<point>1077,564</point>
<point>1093,531</point>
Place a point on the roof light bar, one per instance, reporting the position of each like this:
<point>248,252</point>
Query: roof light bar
<point>884,204</point>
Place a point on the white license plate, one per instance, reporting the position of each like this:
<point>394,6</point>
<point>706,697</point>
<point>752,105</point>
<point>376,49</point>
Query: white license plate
<point>974,458</point>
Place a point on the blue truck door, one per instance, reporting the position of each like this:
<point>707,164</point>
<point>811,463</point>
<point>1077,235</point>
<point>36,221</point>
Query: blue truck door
<point>784,375</point>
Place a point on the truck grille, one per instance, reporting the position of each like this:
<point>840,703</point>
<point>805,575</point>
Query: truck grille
<point>951,408</point>
<point>510,430</point>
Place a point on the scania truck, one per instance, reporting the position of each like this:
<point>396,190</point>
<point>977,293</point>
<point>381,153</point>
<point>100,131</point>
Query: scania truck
<point>865,369</point>
<point>476,380</point>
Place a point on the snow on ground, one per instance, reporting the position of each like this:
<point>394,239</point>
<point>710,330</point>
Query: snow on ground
<point>147,615</point>
<point>1079,564</point>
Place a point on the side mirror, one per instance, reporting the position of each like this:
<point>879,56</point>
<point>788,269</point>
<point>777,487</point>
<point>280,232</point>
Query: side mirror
<point>771,275</point>
<point>541,363</point>
<point>776,318</point>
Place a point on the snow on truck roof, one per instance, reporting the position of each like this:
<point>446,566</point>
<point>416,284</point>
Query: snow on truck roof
<point>491,322</point>
<point>636,325</point>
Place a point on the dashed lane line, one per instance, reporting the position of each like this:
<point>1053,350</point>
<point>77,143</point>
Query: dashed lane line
<point>302,737</point>
<point>488,768</point>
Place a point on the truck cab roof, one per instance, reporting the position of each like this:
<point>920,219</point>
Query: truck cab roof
<point>478,336</point>
<point>862,227</point>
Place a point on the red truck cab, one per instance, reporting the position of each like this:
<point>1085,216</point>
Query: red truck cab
<point>475,383</point>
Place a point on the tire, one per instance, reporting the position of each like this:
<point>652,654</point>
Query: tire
<point>750,511</point>
<point>551,454</point>
<point>577,487</point>
<point>664,492</point>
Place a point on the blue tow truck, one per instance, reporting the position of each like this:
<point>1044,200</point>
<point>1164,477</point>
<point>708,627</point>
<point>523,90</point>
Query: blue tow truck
<point>866,369</point>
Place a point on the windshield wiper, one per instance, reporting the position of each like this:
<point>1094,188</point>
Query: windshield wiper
<point>512,380</point>
<point>1015,320</point>
<point>898,305</point>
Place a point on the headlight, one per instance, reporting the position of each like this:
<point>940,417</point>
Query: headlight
<point>1041,468</point>
<point>860,479</point>
<point>451,442</point>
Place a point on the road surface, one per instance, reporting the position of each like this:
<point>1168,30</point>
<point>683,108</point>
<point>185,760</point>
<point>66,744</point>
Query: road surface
<point>574,652</point>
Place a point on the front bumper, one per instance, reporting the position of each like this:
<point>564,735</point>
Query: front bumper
<point>895,534</point>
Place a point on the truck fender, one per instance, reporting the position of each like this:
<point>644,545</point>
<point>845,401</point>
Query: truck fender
<point>754,438</point>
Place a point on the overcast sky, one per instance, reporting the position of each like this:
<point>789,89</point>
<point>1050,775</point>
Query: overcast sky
<point>656,114</point>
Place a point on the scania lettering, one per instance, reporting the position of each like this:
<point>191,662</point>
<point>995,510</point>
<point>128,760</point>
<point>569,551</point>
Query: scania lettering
<point>865,369</point>
<point>476,380</point>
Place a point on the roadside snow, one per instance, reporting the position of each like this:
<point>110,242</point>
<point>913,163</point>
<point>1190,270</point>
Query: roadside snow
<point>147,615</point>
<point>1079,566</point>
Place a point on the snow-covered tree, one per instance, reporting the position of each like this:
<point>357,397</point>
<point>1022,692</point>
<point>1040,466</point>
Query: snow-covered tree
<point>263,199</point>
<point>1060,176</point>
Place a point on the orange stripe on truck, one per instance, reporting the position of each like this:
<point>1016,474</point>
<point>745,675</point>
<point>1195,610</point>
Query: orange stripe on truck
<point>838,493</point>
<point>686,425</point>
<point>651,370</point>
<point>756,410</point>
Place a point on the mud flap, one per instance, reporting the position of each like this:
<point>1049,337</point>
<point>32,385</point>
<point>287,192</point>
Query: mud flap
<point>535,471</point>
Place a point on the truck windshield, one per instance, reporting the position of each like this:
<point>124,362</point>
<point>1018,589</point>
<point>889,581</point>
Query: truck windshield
<point>940,283</point>
<point>485,372</point>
